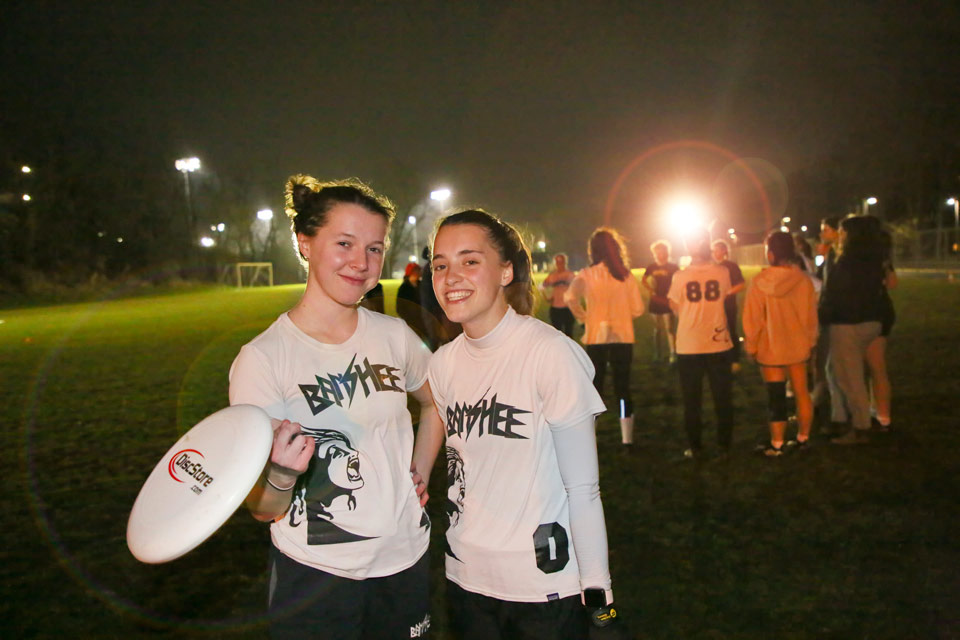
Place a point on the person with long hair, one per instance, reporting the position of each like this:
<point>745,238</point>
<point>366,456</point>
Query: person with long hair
<point>660,272</point>
<point>780,332</point>
<point>613,301</point>
<point>526,549</point>
<point>853,306</point>
<point>697,295</point>
<point>348,529</point>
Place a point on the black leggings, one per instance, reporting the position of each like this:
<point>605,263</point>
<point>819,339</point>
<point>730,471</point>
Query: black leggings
<point>716,366</point>
<point>619,355</point>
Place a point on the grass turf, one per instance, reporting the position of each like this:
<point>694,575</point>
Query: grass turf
<point>837,543</point>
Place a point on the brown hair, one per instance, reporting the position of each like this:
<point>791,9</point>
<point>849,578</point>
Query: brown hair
<point>510,247</point>
<point>606,245</point>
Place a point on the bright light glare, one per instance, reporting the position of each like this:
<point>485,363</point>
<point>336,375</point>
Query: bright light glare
<point>265,214</point>
<point>206,242</point>
<point>785,219</point>
<point>818,260</point>
<point>952,201</point>
<point>412,220</point>
<point>541,245</point>
<point>871,200</point>
<point>803,227</point>
<point>221,226</point>
<point>26,197</point>
<point>120,240</point>
<point>411,258</point>
<point>187,164</point>
<point>732,231</point>
<point>440,195</point>
<point>25,169</point>
<point>686,213</point>
<point>785,229</point>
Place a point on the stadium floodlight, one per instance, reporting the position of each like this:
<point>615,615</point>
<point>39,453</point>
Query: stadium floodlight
<point>871,200</point>
<point>25,169</point>
<point>26,197</point>
<point>187,165</point>
<point>440,195</point>
<point>207,242</point>
<point>687,213</point>
<point>265,214</point>
<point>221,226</point>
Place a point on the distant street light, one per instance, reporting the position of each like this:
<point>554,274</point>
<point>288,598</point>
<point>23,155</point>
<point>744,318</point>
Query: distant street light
<point>221,226</point>
<point>25,169</point>
<point>956,212</point>
<point>265,214</point>
<point>26,197</point>
<point>785,220</point>
<point>207,242</point>
<point>866,204</point>
<point>186,166</point>
<point>412,221</point>
<point>803,228</point>
<point>541,245</point>
<point>440,195</point>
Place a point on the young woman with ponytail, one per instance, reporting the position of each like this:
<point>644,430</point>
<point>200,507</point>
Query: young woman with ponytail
<point>613,301</point>
<point>348,530</point>
<point>527,542</point>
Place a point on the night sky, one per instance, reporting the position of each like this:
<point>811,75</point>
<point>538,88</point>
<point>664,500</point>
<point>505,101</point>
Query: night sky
<point>519,107</point>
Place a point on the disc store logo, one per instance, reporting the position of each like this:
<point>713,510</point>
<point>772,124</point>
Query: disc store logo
<point>184,464</point>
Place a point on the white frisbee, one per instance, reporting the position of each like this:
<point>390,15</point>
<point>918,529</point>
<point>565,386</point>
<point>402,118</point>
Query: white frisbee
<point>199,483</point>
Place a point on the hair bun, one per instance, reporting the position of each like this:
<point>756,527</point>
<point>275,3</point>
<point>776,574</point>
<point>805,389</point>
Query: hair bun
<point>299,189</point>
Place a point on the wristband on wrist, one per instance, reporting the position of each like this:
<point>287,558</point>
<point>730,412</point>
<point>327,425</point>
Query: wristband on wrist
<point>270,482</point>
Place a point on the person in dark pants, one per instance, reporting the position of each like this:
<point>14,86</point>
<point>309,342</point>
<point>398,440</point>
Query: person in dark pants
<point>703,342</point>
<point>558,281</point>
<point>721,255</point>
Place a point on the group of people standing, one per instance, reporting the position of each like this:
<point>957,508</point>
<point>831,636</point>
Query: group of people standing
<point>511,401</point>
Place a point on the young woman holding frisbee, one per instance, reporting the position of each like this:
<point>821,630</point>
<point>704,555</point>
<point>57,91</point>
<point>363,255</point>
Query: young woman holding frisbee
<point>527,543</point>
<point>348,529</point>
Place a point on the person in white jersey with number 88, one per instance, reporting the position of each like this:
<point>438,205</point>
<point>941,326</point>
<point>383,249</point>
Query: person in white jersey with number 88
<point>703,342</point>
<point>527,545</point>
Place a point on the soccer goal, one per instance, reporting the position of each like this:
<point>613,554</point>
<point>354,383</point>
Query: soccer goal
<point>253,274</point>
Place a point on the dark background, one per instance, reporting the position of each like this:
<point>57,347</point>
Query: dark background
<point>532,110</point>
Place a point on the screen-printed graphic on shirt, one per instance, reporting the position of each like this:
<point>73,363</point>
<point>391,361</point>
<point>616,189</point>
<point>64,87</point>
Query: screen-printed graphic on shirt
<point>337,388</point>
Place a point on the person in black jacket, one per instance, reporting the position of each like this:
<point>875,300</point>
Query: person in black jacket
<point>853,306</point>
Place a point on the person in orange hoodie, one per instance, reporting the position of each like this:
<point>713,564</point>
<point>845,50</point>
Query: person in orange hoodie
<point>780,332</point>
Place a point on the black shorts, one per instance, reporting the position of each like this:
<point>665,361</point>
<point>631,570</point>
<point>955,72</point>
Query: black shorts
<point>308,603</point>
<point>477,617</point>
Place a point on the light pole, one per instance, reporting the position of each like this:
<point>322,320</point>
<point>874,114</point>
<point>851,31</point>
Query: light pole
<point>412,221</point>
<point>186,166</point>
<point>866,204</point>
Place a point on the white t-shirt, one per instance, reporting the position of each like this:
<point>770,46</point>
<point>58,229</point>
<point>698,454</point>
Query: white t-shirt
<point>500,397</point>
<point>355,512</point>
<point>699,291</point>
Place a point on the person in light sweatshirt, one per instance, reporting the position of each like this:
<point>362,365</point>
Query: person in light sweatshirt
<point>780,332</point>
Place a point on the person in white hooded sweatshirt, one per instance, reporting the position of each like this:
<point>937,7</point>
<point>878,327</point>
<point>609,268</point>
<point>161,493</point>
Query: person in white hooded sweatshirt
<point>780,332</point>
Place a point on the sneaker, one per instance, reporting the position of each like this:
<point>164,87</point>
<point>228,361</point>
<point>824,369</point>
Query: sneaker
<point>795,446</point>
<point>854,436</point>
<point>771,451</point>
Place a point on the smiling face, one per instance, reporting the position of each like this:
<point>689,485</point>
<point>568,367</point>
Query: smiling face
<point>345,255</point>
<point>469,277</point>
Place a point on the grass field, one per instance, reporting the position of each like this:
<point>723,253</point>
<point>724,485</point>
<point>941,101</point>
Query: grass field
<point>838,543</point>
